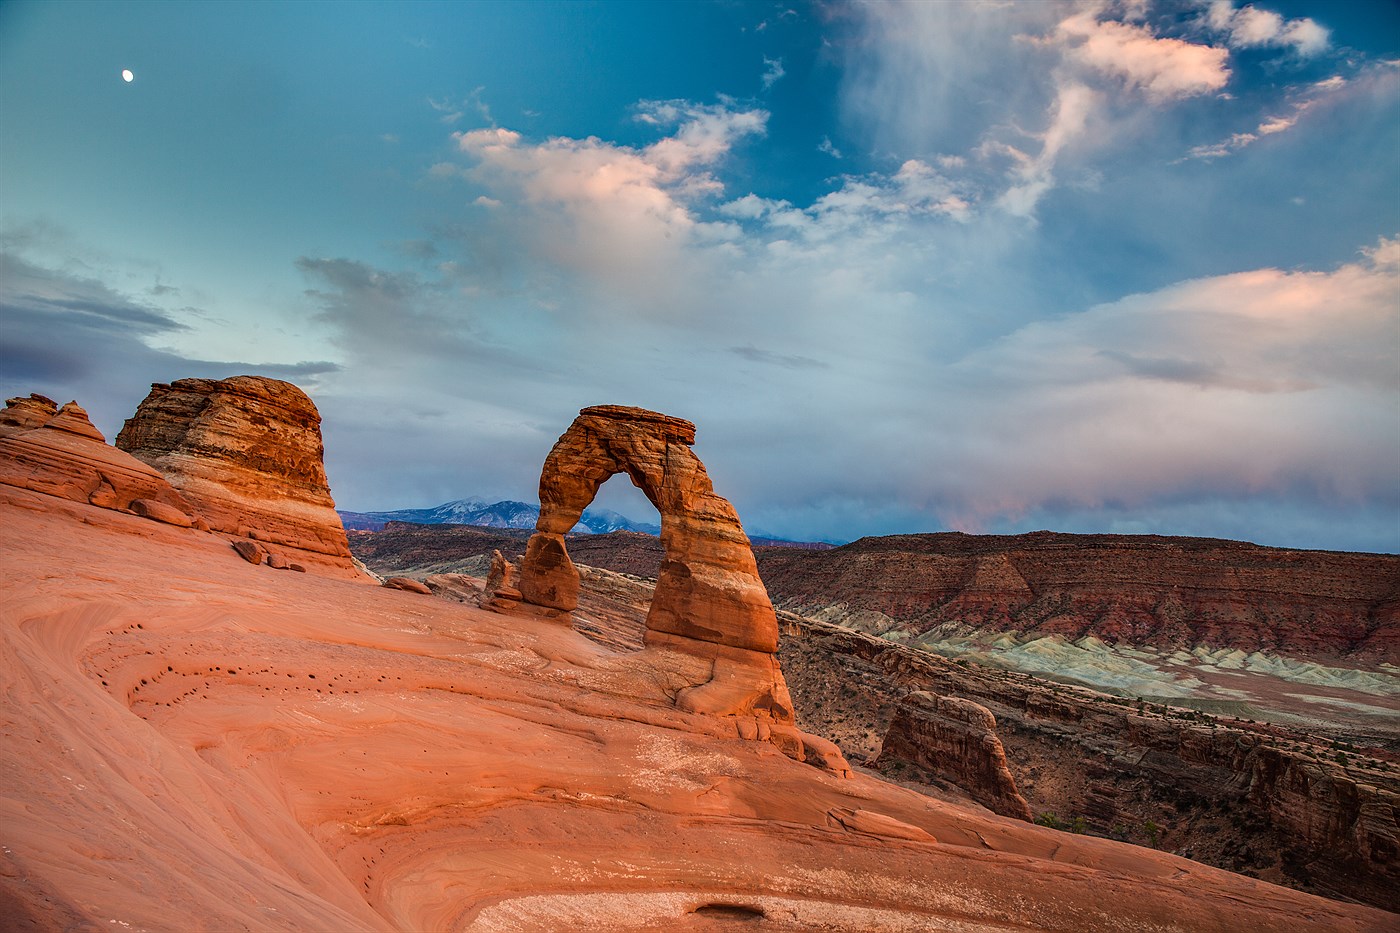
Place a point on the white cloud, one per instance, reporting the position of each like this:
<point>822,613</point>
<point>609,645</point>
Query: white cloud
<point>1073,106</point>
<point>615,212</point>
<point>1058,84</point>
<point>1259,383</point>
<point>1276,125</point>
<point>1385,255</point>
<point>1254,27</point>
<point>1163,68</point>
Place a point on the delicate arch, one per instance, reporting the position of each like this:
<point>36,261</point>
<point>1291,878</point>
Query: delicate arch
<point>708,589</point>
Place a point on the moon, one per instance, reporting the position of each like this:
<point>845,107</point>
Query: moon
<point>127,76</point>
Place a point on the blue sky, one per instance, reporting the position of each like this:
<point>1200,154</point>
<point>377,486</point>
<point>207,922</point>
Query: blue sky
<point>1115,266</point>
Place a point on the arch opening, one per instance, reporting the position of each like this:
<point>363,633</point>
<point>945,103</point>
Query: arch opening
<point>709,600</point>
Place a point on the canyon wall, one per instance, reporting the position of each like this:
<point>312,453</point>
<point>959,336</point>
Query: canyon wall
<point>1166,592</point>
<point>1250,797</point>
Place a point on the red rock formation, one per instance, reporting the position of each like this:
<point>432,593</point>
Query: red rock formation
<point>1163,592</point>
<point>247,452</point>
<point>957,740</point>
<point>190,743</point>
<point>1216,789</point>
<point>499,592</point>
<point>708,589</point>
<point>251,551</point>
<point>408,585</point>
<point>69,458</point>
<point>709,602</point>
<point>1238,795</point>
<point>23,414</point>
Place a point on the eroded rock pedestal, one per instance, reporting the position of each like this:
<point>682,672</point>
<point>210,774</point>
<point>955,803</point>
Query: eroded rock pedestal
<point>710,603</point>
<point>247,452</point>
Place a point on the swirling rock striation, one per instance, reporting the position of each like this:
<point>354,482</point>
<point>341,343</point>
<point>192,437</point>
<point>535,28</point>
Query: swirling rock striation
<point>191,743</point>
<point>66,456</point>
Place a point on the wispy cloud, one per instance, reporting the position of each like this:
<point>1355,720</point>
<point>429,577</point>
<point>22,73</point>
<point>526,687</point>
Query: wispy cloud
<point>77,336</point>
<point>768,358</point>
<point>452,110</point>
<point>773,72</point>
<point>1303,100</point>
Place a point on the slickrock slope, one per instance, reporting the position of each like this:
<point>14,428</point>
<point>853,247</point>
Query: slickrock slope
<point>1168,593</point>
<point>1260,799</point>
<point>247,452</point>
<point>193,742</point>
<point>709,601</point>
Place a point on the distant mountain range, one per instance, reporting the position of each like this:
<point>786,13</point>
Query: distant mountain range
<point>504,514</point>
<point>512,514</point>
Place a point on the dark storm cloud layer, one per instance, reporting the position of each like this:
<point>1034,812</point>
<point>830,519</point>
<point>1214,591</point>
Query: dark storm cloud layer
<point>1121,266</point>
<point>71,336</point>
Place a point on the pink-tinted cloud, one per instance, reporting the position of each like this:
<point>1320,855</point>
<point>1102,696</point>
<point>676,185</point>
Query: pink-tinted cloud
<point>1265,382</point>
<point>1163,68</point>
<point>609,210</point>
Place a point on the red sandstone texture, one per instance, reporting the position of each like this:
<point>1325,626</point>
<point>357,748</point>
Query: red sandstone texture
<point>956,739</point>
<point>1128,589</point>
<point>23,414</point>
<point>1251,797</point>
<point>247,452</point>
<point>1316,813</point>
<point>194,742</point>
<point>64,455</point>
<point>709,601</point>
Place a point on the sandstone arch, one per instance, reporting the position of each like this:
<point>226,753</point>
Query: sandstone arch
<point>709,600</point>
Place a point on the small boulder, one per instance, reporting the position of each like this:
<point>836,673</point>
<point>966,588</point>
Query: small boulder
<point>277,561</point>
<point>877,824</point>
<point>454,586</point>
<point>404,583</point>
<point>251,551</point>
<point>160,512</point>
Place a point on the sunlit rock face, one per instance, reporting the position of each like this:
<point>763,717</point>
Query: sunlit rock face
<point>192,742</point>
<point>247,452</point>
<point>64,455</point>
<point>709,600</point>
